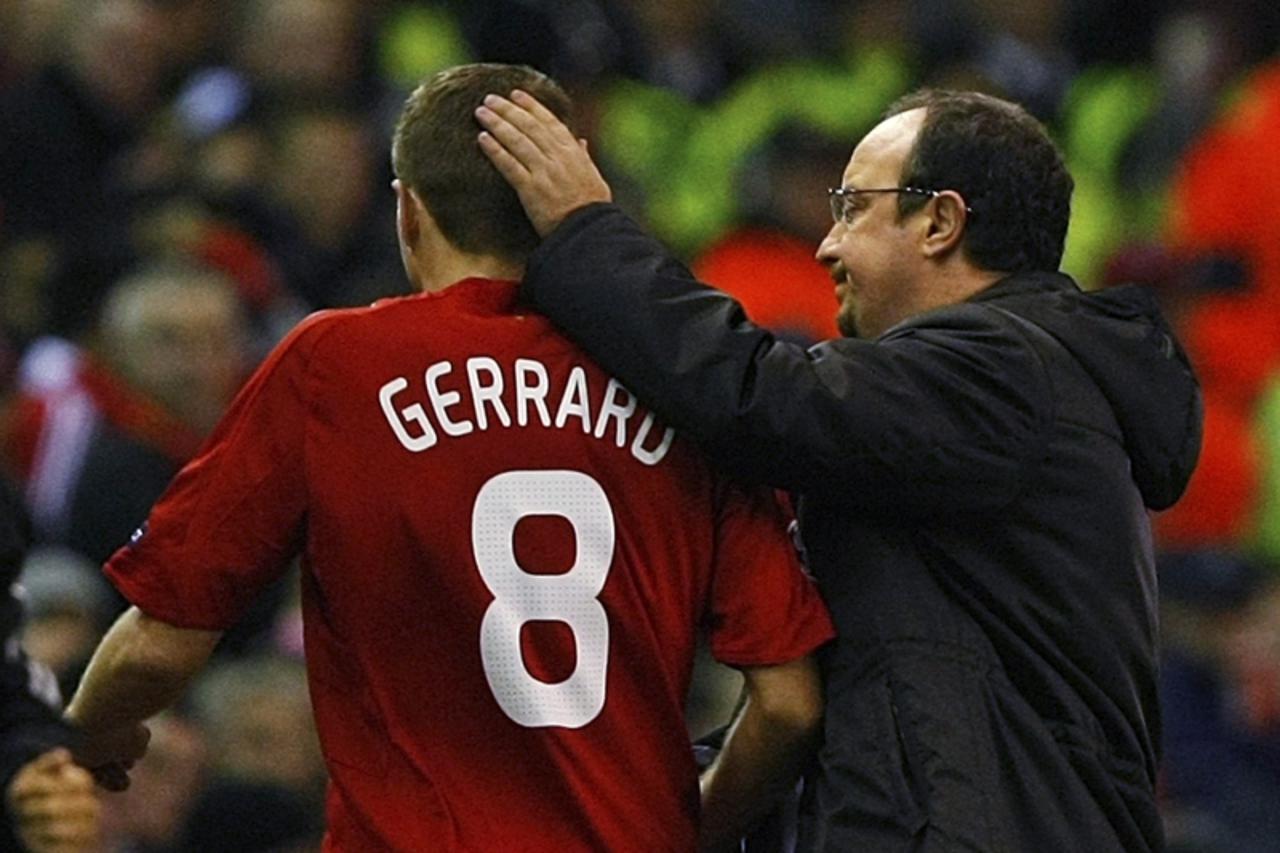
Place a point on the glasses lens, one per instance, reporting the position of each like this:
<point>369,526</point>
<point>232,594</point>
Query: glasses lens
<point>836,197</point>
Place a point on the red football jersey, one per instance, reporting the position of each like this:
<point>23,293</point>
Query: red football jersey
<point>506,560</point>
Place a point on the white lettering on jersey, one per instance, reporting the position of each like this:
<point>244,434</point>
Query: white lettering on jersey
<point>535,393</point>
<point>651,457</point>
<point>574,402</point>
<point>609,408</point>
<point>413,414</point>
<point>529,387</point>
<point>442,400</point>
<point>490,393</point>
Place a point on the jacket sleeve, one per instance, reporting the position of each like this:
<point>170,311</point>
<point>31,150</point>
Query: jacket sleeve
<point>949,410</point>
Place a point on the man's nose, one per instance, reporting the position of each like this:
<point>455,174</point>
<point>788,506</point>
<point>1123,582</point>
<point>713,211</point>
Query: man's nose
<point>825,254</point>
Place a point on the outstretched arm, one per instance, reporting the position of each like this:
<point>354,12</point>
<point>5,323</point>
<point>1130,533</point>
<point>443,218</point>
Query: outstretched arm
<point>764,752</point>
<point>141,667</point>
<point>946,411</point>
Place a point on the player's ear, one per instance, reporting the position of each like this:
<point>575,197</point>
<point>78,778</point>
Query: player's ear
<point>407,225</point>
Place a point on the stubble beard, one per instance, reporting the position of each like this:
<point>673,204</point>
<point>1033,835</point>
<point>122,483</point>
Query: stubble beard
<point>847,320</point>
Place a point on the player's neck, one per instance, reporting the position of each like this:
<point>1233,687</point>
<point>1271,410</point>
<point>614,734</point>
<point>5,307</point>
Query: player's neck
<point>449,267</point>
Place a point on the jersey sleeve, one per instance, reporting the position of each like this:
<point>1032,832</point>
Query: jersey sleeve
<point>765,609</point>
<point>232,518</point>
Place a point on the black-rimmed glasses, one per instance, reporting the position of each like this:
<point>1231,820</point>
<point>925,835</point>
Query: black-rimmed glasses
<point>842,199</point>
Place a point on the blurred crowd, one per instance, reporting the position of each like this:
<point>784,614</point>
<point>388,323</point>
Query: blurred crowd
<point>182,180</point>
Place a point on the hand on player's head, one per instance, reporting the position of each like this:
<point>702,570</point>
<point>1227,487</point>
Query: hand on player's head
<point>550,170</point>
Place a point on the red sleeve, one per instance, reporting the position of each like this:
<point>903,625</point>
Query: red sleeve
<point>232,519</point>
<point>765,609</point>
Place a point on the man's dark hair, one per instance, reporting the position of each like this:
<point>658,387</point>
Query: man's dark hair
<point>435,153</point>
<point>1007,168</point>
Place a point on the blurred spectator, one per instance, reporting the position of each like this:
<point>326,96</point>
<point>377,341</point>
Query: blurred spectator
<point>1266,520</point>
<point>66,132</point>
<point>1222,206</point>
<point>68,605</point>
<point>415,40</point>
<point>151,815</point>
<point>251,817</point>
<point>1221,690</point>
<point>768,263</point>
<point>98,434</point>
<point>1221,215</point>
<point>176,334</point>
<point>304,51</point>
<point>1195,59</point>
<point>324,177</point>
<point>230,161</point>
<point>1218,508</point>
<point>62,130</point>
<point>218,233</point>
<point>682,47</point>
<point>256,713</point>
<point>288,638</point>
<point>267,774</point>
<point>679,160</point>
<point>196,33</point>
<point>28,33</point>
<point>1021,49</point>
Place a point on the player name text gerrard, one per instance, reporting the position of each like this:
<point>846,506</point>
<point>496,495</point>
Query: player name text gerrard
<point>485,393</point>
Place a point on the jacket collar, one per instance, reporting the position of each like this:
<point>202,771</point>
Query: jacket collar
<point>1019,283</point>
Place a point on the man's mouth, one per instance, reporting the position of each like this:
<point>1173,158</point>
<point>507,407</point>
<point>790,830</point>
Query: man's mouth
<point>842,284</point>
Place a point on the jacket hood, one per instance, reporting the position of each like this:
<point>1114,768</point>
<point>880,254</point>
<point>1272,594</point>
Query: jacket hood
<point>1127,347</point>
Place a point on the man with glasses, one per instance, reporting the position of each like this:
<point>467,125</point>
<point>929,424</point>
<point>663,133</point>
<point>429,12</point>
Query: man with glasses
<point>974,461</point>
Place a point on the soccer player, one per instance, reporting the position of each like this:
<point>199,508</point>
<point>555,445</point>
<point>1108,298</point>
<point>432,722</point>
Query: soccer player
<point>506,557</point>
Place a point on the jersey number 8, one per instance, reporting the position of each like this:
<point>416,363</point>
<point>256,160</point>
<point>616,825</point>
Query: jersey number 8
<point>520,596</point>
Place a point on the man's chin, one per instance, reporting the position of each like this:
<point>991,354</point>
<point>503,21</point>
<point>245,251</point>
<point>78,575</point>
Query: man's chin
<point>847,323</point>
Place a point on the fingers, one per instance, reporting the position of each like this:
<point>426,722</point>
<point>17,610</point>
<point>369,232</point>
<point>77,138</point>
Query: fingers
<point>512,138</point>
<point>54,806</point>
<point>549,124</point>
<point>507,165</point>
<point>70,831</point>
<point>550,170</point>
<point>537,123</point>
<point>64,786</point>
<point>47,774</point>
<point>51,760</point>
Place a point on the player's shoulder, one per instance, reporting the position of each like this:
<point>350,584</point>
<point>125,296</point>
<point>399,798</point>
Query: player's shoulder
<point>373,319</point>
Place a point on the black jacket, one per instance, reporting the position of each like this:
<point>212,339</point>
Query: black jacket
<point>974,491</point>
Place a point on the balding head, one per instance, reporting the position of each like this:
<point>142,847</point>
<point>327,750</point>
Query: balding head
<point>177,333</point>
